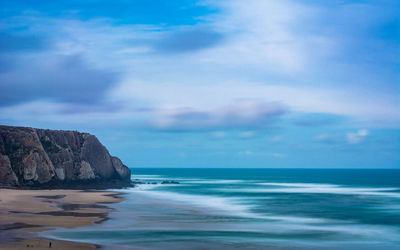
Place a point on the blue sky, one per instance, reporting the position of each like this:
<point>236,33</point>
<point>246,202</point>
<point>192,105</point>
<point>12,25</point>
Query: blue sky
<point>210,83</point>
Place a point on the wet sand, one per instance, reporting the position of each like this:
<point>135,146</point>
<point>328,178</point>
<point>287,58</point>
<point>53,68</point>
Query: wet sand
<point>24,212</point>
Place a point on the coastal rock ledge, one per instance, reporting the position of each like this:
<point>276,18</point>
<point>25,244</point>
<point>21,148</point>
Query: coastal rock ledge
<point>43,158</point>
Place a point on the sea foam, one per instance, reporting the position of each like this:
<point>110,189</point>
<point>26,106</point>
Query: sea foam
<point>318,189</point>
<point>214,205</point>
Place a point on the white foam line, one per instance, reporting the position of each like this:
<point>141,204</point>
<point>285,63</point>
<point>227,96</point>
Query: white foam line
<point>363,230</point>
<point>159,177</point>
<point>323,190</point>
<point>202,201</point>
<point>142,187</point>
<point>220,206</point>
<point>145,176</point>
<point>213,181</point>
<point>310,185</point>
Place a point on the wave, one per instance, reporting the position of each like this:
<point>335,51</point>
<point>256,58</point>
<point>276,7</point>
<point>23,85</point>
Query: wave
<point>147,177</point>
<point>319,189</point>
<point>212,181</point>
<point>217,204</point>
<point>310,185</point>
<point>233,207</point>
<point>185,180</point>
<point>143,187</point>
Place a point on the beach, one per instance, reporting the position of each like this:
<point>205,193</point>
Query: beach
<point>23,213</point>
<point>212,209</point>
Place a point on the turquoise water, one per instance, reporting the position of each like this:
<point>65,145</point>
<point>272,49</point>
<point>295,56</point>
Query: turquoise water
<point>253,209</point>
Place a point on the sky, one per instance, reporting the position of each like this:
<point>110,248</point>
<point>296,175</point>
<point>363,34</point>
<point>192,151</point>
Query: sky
<point>210,84</point>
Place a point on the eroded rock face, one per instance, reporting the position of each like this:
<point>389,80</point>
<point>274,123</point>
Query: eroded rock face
<point>121,169</point>
<point>86,171</point>
<point>42,157</point>
<point>97,156</point>
<point>7,175</point>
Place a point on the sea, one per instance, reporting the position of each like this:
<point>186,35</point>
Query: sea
<point>252,209</point>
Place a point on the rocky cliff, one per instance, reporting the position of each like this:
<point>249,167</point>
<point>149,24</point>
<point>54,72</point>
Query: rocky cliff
<point>45,158</point>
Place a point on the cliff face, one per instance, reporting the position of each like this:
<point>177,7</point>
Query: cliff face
<point>41,157</point>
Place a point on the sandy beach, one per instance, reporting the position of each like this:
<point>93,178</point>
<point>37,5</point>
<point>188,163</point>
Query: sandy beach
<point>24,212</point>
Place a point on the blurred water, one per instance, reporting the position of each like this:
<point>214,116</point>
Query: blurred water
<point>253,209</point>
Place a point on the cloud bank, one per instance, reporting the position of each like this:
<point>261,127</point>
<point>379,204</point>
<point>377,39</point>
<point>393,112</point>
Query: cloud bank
<point>287,83</point>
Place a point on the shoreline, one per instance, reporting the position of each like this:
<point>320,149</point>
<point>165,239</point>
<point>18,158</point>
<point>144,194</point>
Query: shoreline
<point>24,213</point>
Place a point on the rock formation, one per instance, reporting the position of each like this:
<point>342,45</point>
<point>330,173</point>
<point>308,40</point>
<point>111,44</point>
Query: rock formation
<point>32,157</point>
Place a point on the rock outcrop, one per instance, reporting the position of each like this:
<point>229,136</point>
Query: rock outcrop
<point>32,157</point>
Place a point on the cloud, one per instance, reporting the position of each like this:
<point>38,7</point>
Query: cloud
<point>14,46</point>
<point>276,138</point>
<point>279,51</point>
<point>297,37</point>
<point>187,40</point>
<point>59,78</point>
<point>317,119</point>
<point>340,138</point>
<point>246,153</point>
<point>244,114</point>
<point>12,43</point>
<point>328,138</point>
<point>247,134</point>
<point>219,134</point>
<point>325,105</point>
<point>269,35</point>
<point>357,137</point>
<point>278,155</point>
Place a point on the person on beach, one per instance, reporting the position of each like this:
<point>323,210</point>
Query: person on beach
<point>49,244</point>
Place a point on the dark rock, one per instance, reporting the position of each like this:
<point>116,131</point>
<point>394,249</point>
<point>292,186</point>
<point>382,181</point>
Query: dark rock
<point>7,175</point>
<point>97,156</point>
<point>137,182</point>
<point>53,158</point>
<point>169,182</point>
<point>122,170</point>
<point>52,197</point>
<point>28,159</point>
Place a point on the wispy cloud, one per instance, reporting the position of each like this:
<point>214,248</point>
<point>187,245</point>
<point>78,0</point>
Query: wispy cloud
<point>328,138</point>
<point>276,138</point>
<point>247,134</point>
<point>278,155</point>
<point>60,79</point>
<point>317,119</point>
<point>219,134</point>
<point>315,72</point>
<point>244,114</point>
<point>343,138</point>
<point>266,50</point>
<point>16,43</point>
<point>187,40</point>
<point>357,137</point>
<point>246,153</point>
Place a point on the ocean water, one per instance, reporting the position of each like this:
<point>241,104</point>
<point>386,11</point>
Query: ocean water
<point>253,209</point>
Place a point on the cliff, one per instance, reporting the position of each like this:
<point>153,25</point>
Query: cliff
<point>45,158</point>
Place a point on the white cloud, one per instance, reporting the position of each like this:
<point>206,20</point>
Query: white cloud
<point>272,49</point>
<point>242,114</point>
<point>246,152</point>
<point>276,138</point>
<point>263,34</point>
<point>357,137</point>
<point>278,155</point>
<point>219,134</point>
<point>325,138</point>
<point>340,138</point>
<point>247,134</point>
<point>206,96</point>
